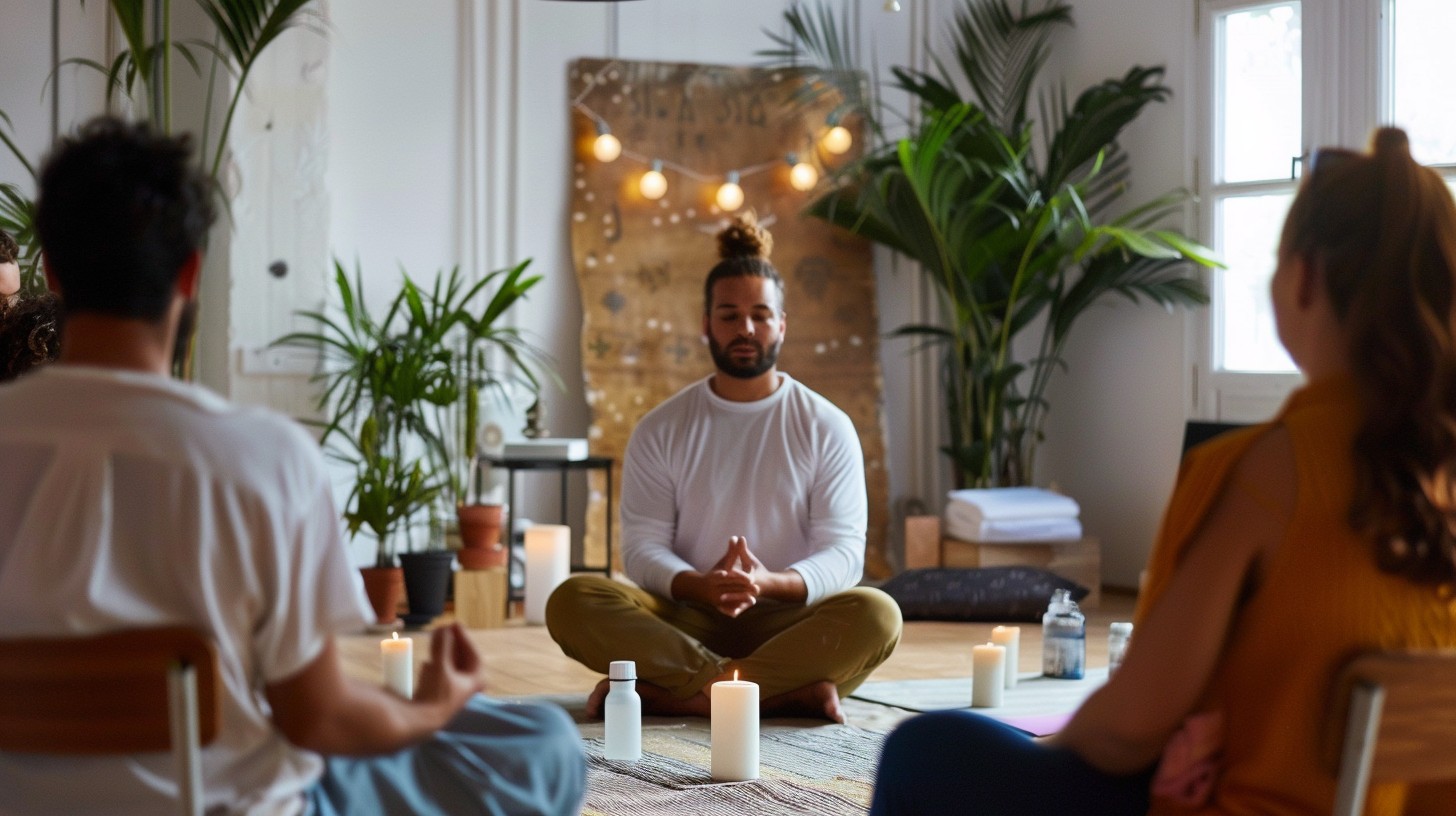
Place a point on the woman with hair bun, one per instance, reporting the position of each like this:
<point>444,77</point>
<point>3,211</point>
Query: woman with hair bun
<point>1287,548</point>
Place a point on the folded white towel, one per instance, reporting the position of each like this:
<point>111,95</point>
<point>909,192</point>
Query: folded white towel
<point>1002,503</point>
<point>1013,531</point>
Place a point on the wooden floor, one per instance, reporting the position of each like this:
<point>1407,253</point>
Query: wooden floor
<point>521,659</point>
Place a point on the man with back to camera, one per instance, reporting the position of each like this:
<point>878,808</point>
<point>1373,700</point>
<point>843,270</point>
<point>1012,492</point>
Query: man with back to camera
<point>743,522</point>
<point>128,499</point>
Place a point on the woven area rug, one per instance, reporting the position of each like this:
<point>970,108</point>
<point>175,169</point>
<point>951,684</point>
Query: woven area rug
<point>822,769</point>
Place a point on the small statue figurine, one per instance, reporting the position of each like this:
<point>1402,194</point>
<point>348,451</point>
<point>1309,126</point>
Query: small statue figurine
<point>535,415</point>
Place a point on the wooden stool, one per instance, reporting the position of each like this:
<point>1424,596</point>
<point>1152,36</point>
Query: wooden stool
<point>480,598</point>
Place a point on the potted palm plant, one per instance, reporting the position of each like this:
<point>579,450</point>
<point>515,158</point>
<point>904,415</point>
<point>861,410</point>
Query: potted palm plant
<point>489,359</point>
<point>1017,235</point>
<point>382,381</point>
<point>402,395</point>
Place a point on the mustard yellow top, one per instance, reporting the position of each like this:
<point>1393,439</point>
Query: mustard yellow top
<point>1320,600</point>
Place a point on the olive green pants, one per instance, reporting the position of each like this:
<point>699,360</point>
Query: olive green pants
<point>682,647</point>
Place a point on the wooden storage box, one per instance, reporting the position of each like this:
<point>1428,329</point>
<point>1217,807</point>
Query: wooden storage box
<point>1079,561</point>
<point>480,598</point>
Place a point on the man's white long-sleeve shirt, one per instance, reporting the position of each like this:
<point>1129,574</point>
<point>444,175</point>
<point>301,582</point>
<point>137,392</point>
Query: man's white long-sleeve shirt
<point>786,472</point>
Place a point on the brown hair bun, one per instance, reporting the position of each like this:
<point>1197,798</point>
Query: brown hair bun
<point>1390,140</point>
<point>744,238</point>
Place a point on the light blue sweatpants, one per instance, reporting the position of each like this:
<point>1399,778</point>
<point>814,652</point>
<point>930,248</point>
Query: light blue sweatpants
<point>494,758</point>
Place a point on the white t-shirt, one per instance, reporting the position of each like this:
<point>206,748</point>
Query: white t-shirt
<point>129,499</point>
<point>785,471</point>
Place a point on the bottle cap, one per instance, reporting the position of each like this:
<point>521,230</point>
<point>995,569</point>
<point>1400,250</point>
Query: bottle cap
<point>1120,628</point>
<point>623,670</point>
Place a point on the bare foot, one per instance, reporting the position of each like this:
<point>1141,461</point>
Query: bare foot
<point>655,700</point>
<point>596,698</point>
<point>817,700</point>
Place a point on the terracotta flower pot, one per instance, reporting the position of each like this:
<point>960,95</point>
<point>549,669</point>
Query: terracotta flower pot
<point>385,588</point>
<point>480,536</point>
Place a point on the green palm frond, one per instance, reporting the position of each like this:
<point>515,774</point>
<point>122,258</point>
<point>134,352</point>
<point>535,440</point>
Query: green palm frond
<point>1011,245</point>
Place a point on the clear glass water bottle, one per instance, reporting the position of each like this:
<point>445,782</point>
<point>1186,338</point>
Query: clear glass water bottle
<point>1063,638</point>
<point>623,709</point>
<point>1118,635</point>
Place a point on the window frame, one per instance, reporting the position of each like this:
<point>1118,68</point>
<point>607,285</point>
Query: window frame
<point>1345,82</point>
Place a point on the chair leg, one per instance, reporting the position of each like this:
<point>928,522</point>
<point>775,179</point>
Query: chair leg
<point>182,708</point>
<point>1361,728</point>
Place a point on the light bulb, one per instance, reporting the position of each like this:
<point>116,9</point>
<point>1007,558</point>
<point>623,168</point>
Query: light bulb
<point>653,184</point>
<point>730,195</point>
<point>803,176</point>
<point>837,140</point>
<point>606,148</point>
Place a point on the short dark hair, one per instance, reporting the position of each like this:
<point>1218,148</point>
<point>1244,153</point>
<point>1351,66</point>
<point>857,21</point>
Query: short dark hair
<point>120,209</point>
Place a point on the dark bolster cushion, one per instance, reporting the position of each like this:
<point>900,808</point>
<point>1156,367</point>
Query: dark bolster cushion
<point>985,594</point>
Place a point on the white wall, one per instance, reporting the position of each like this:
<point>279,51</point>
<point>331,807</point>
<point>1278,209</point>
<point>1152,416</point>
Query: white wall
<point>431,133</point>
<point>1116,423</point>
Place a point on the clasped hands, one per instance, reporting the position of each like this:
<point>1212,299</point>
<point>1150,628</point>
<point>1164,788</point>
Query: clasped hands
<point>732,585</point>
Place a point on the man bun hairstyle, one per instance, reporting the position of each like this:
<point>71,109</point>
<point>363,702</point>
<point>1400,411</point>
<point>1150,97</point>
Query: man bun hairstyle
<point>744,237</point>
<point>743,248</point>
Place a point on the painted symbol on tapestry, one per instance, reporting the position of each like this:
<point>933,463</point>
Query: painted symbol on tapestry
<point>615,302</point>
<point>599,347</point>
<point>813,273</point>
<point>613,232</point>
<point>653,277</point>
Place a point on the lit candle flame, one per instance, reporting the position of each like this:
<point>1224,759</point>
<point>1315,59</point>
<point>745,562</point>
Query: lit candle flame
<point>396,635</point>
<point>735,675</point>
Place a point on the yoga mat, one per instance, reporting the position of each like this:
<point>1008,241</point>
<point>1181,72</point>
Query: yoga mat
<point>1038,704</point>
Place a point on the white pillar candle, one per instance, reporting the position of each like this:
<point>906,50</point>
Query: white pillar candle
<point>1009,638</point>
<point>988,675</point>
<point>734,705</point>
<point>399,665</point>
<point>548,563</point>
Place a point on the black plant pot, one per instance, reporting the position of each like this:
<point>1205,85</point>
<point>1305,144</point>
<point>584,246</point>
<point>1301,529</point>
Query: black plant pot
<point>426,579</point>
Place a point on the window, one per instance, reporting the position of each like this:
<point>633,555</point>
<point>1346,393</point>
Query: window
<point>1282,78</point>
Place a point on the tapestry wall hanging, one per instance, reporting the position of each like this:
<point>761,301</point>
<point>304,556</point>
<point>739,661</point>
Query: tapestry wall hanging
<point>641,248</point>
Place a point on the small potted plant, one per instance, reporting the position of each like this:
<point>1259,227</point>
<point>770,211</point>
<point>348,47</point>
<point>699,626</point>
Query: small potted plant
<point>383,382</point>
<point>411,382</point>
<point>489,361</point>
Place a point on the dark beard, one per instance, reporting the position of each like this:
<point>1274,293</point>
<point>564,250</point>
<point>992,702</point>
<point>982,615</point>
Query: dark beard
<point>762,361</point>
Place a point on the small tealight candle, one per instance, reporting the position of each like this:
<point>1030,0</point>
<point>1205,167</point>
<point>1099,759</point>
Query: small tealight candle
<point>399,665</point>
<point>988,675</point>
<point>734,710</point>
<point>1009,637</point>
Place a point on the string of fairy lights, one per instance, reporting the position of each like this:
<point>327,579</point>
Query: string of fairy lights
<point>835,139</point>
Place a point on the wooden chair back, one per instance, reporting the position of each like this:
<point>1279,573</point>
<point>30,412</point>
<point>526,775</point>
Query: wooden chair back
<point>132,691</point>
<point>1401,723</point>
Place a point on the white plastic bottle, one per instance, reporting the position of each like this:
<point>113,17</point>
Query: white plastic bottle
<point>1118,635</point>
<point>1063,638</point>
<point>623,710</point>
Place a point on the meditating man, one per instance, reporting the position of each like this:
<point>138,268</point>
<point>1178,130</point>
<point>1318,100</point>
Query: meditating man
<point>128,499</point>
<point>743,521</point>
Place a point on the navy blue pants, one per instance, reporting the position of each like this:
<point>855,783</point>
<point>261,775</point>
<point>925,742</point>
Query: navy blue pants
<point>958,763</point>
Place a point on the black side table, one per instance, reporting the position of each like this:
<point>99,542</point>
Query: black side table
<point>515,464</point>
